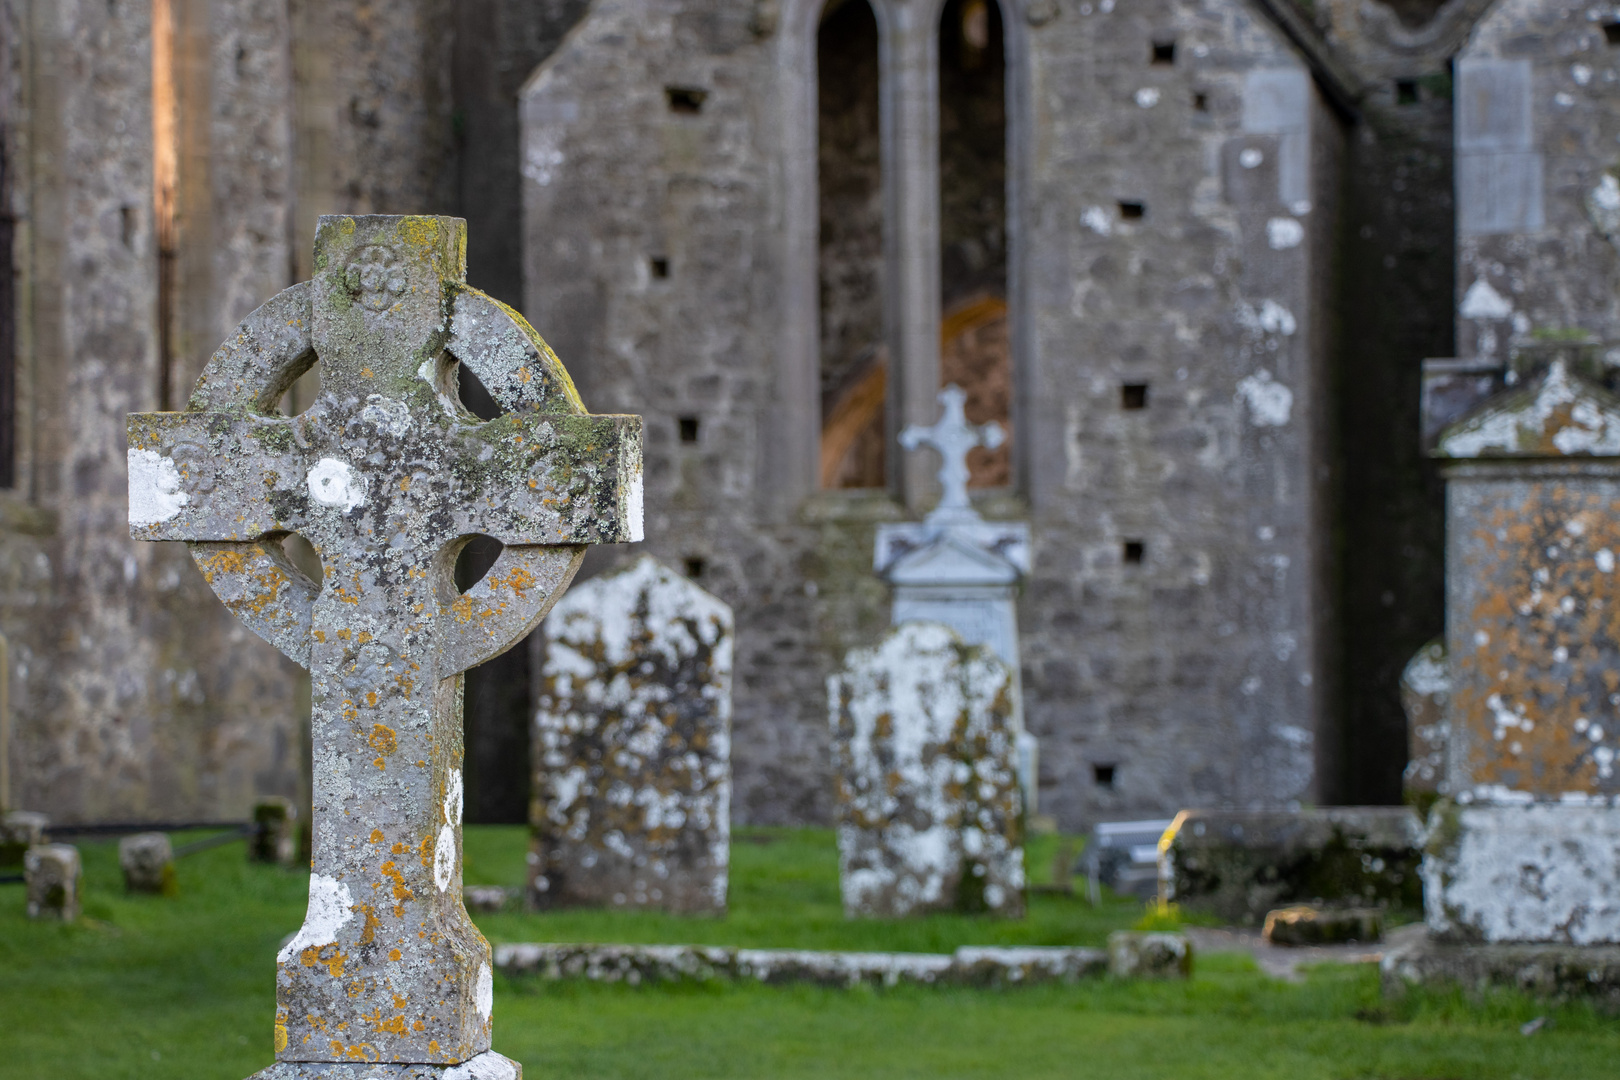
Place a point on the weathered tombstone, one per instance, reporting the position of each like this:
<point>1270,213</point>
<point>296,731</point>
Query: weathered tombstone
<point>1526,851</point>
<point>274,839</point>
<point>388,477</point>
<point>632,746</point>
<point>955,568</point>
<point>1425,687</point>
<point>52,873</point>
<point>147,860</point>
<point>19,831</point>
<point>924,750</point>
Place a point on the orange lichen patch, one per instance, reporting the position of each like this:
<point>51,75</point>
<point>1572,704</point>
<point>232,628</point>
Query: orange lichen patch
<point>316,1022</point>
<point>426,850</point>
<point>362,637</point>
<point>379,763</point>
<point>402,893</point>
<point>393,1024</point>
<point>369,933</point>
<point>281,1030</point>
<point>357,1052</point>
<point>399,849</point>
<point>320,636</point>
<point>366,372</point>
<point>319,957</point>
<point>371,698</point>
<point>1535,679</point>
<point>343,635</point>
<point>417,1025</point>
<point>382,738</point>
<point>394,954</point>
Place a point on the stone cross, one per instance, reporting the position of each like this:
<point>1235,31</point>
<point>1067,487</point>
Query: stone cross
<point>388,477</point>
<point>953,437</point>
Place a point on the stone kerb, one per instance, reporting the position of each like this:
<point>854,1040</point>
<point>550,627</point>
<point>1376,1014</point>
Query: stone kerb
<point>633,746</point>
<point>924,751</point>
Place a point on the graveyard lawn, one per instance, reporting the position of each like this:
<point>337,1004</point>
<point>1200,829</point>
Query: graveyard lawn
<point>149,987</point>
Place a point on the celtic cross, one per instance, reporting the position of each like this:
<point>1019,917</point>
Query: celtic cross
<point>952,436</point>
<point>388,477</point>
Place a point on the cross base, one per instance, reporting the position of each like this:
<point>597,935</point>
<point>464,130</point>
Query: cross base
<point>486,1066</point>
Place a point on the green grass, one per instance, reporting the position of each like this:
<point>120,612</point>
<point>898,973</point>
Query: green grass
<point>183,988</point>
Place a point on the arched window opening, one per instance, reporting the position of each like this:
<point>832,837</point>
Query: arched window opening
<point>854,359</point>
<point>975,346</point>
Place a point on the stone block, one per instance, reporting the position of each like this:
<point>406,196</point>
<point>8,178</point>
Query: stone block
<point>1306,925</point>
<point>147,860</point>
<point>486,1066</point>
<point>19,831</point>
<point>484,899</point>
<point>1240,864</point>
<point>1538,872</point>
<point>924,749</point>
<point>275,835</point>
<point>632,746</point>
<point>1556,972</point>
<point>52,872</point>
<point>1151,955</point>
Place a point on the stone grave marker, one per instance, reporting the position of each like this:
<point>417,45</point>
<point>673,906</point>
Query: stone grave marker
<point>51,873</point>
<point>147,860</point>
<point>19,831</point>
<point>633,746</point>
<point>955,568</point>
<point>924,750</point>
<point>388,476</point>
<point>274,838</point>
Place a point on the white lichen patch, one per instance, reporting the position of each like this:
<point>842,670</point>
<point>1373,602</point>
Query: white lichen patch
<point>444,857</point>
<point>335,483</point>
<point>154,488</point>
<point>1271,404</point>
<point>484,992</point>
<point>1563,415</point>
<point>331,907</point>
<point>1483,302</point>
<point>486,1066</point>
<point>1284,233</point>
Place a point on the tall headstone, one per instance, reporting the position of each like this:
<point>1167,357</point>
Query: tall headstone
<point>924,751</point>
<point>388,477</point>
<point>632,746</point>
<point>1526,852</point>
<point>955,568</point>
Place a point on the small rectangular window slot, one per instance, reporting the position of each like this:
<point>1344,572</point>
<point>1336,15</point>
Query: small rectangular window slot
<point>695,565</point>
<point>685,99</point>
<point>1103,776</point>
<point>1133,395</point>
<point>1134,552</point>
<point>689,429</point>
<point>1201,101</point>
<point>1611,32</point>
<point>1406,92</point>
<point>659,266</point>
<point>1132,211</point>
<point>1164,52</point>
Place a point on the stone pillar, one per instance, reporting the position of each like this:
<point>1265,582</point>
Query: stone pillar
<point>147,860</point>
<point>1525,852</point>
<point>632,746</point>
<point>53,872</point>
<point>924,748</point>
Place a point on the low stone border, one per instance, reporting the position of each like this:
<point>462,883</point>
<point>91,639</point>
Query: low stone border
<point>1557,972</point>
<point>968,966</point>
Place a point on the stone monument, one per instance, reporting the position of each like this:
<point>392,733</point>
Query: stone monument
<point>388,477</point>
<point>924,750</point>
<point>1522,853</point>
<point>632,746</point>
<point>53,873</point>
<point>147,860</point>
<point>955,568</point>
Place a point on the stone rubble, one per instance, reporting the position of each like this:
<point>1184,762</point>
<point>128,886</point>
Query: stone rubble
<point>1304,925</point>
<point>53,876</point>
<point>636,964</point>
<point>632,746</point>
<point>147,860</point>
<point>925,753</point>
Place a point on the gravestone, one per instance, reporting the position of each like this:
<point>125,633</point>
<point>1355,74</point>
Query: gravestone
<point>147,860</point>
<point>924,751</point>
<point>955,568</point>
<point>274,838</point>
<point>1524,852</point>
<point>52,873</point>
<point>19,831</point>
<point>388,477</point>
<point>632,746</point>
